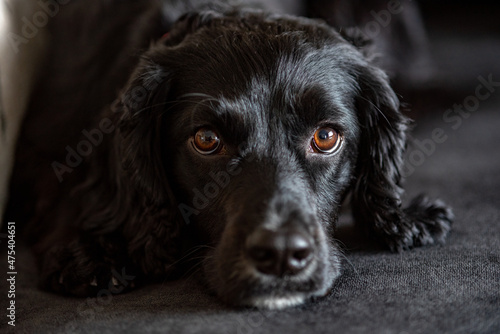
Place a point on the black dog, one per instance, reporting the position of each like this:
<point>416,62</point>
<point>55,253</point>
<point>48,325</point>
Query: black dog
<point>238,133</point>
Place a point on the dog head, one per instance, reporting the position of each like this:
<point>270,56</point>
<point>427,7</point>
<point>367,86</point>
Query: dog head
<point>252,129</point>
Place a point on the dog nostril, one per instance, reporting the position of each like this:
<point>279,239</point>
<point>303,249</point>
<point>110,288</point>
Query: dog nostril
<point>264,249</point>
<point>265,257</point>
<point>279,253</point>
<point>299,252</point>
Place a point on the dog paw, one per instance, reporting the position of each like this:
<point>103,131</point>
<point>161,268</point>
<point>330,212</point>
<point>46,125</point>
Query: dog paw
<point>78,273</point>
<point>114,282</point>
<point>423,222</point>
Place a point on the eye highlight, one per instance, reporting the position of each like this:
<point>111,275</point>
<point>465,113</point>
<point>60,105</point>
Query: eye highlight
<point>326,140</point>
<point>206,141</point>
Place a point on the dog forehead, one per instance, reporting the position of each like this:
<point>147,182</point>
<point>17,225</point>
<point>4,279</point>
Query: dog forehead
<point>295,86</point>
<point>262,67</point>
<point>268,81</point>
<point>231,55</point>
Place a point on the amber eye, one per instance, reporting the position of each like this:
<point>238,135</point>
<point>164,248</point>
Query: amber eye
<point>326,140</point>
<point>206,141</point>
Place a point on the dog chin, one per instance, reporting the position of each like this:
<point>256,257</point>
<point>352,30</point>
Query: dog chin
<point>274,302</point>
<point>279,299</point>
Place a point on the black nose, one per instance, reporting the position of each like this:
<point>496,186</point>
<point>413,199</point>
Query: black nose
<point>280,253</point>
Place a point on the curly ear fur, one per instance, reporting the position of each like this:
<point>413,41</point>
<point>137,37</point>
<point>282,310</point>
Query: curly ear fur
<point>377,192</point>
<point>130,218</point>
<point>152,226</point>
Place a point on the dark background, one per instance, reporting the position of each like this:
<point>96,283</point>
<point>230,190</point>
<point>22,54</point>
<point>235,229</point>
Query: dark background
<point>465,40</point>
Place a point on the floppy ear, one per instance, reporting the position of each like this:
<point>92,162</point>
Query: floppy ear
<point>377,193</point>
<point>138,141</point>
<point>144,205</point>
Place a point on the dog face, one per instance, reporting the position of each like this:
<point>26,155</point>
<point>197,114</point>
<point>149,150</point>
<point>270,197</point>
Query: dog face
<point>263,155</point>
<point>258,128</point>
<point>260,137</point>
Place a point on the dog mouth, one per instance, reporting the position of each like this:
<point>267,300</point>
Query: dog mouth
<point>281,293</point>
<point>275,303</point>
<point>276,283</point>
<point>273,293</point>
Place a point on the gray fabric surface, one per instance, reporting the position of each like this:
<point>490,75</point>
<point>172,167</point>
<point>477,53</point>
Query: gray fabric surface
<point>453,288</point>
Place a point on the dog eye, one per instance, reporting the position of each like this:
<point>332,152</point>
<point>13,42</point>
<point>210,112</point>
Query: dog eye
<point>326,140</point>
<point>206,141</point>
